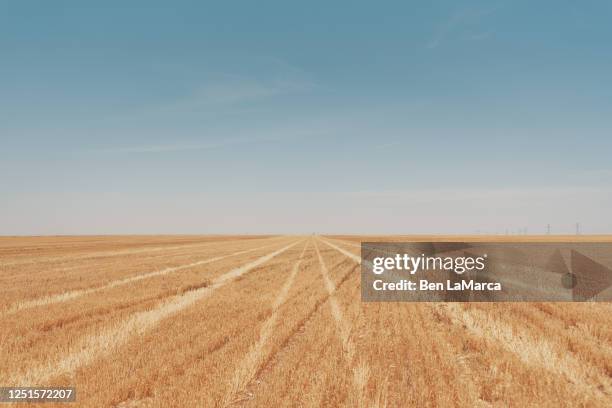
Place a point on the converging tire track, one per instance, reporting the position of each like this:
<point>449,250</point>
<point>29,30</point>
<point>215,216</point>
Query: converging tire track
<point>343,251</point>
<point>532,351</point>
<point>113,253</point>
<point>247,368</point>
<point>286,345</point>
<point>92,347</point>
<point>360,370</point>
<point>56,327</point>
<point>416,324</point>
<point>198,348</point>
<point>282,326</point>
<point>62,297</point>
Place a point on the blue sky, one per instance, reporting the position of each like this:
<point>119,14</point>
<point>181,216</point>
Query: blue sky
<point>360,117</point>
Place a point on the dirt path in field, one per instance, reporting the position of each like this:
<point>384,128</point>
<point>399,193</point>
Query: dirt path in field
<point>88,349</point>
<point>62,297</point>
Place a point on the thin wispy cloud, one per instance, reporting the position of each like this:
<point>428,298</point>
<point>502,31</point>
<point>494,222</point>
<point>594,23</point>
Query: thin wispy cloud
<point>456,22</point>
<point>214,92</point>
<point>175,147</point>
<point>230,90</point>
<point>251,138</point>
<point>269,77</point>
<point>223,93</point>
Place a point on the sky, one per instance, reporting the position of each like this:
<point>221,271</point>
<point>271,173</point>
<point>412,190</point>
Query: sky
<point>391,117</point>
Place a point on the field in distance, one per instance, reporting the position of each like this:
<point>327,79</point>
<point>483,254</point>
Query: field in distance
<point>259,321</point>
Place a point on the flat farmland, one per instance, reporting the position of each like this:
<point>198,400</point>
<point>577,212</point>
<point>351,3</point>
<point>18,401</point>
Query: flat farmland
<point>260,321</point>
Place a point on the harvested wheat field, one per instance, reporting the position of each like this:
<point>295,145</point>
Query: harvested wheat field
<point>260,321</point>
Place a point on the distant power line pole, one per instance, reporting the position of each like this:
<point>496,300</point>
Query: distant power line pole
<point>577,228</point>
<point>547,229</point>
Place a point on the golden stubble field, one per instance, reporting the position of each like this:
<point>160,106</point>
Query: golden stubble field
<point>227,321</point>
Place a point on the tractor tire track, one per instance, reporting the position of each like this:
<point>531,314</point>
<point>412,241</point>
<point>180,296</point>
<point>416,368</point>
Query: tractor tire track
<point>92,347</point>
